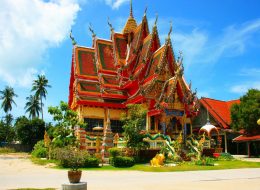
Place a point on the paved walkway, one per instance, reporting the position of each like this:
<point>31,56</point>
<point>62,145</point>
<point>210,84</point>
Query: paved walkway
<point>20,173</point>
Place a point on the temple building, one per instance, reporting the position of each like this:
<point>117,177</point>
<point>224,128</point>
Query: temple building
<point>132,67</point>
<point>219,115</point>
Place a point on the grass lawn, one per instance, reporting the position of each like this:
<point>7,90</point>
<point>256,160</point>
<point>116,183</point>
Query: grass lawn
<point>185,166</point>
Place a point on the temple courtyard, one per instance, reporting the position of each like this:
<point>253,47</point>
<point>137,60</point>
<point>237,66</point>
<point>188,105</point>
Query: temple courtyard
<point>19,172</point>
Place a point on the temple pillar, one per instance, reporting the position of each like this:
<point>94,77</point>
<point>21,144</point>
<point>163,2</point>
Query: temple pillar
<point>225,141</point>
<point>148,123</point>
<point>248,149</point>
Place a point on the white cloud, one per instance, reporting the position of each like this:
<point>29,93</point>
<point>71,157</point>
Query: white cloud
<point>191,44</point>
<point>243,88</point>
<point>30,28</point>
<point>115,4</point>
<point>234,41</point>
<point>200,47</point>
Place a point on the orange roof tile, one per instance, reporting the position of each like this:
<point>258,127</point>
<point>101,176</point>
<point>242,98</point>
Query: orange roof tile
<point>219,110</point>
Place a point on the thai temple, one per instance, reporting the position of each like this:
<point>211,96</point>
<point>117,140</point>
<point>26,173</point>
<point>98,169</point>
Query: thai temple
<point>131,67</point>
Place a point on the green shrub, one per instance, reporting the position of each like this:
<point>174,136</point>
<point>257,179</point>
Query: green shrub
<point>91,162</point>
<point>5,150</point>
<point>113,152</point>
<point>225,156</point>
<point>123,161</point>
<point>39,150</point>
<point>205,161</point>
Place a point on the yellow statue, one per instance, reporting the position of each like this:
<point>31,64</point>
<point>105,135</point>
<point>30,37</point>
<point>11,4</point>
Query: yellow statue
<point>158,160</point>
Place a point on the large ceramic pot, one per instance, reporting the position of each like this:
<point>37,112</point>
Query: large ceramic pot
<point>74,176</point>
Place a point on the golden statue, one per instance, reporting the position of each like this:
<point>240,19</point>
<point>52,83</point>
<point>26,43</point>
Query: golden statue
<point>158,160</point>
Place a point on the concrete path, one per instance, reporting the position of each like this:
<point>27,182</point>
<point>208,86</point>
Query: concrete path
<point>20,173</point>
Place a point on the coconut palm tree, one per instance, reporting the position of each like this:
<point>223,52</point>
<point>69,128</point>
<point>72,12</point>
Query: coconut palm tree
<point>7,96</point>
<point>33,106</point>
<point>39,86</point>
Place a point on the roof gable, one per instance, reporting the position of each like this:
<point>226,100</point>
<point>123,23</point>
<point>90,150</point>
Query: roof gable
<point>219,110</point>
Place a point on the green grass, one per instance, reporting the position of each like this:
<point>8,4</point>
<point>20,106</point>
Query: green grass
<point>185,166</point>
<point>43,162</point>
<point>6,150</point>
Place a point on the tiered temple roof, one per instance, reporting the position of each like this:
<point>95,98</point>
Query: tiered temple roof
<point>131,67</point>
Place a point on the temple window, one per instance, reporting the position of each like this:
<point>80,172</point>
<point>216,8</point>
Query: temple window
<point>116,126</point>
<point>93,122</point>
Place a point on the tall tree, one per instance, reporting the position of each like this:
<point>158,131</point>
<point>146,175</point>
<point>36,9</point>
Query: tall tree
<point>245,115</point>
<point>33,106</point>
<point>7,96</point>
<point>39,86</point>
<point>134,124</point>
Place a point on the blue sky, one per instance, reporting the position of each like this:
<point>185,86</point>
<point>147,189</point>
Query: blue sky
<point>220,41</point>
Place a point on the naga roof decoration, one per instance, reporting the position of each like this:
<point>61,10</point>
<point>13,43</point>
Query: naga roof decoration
<point>131,67</point>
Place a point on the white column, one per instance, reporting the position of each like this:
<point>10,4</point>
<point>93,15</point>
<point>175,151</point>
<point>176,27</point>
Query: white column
<point>147,123</point>
<point>225,140</point>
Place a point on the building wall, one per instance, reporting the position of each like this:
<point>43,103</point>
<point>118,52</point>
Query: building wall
<point>99,113</point>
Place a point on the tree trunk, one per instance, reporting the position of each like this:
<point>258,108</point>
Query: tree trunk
<point>41,108</point>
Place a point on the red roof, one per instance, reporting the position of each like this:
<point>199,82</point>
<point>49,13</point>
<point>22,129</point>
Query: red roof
<point>219,110</point>
<point>244,138</point>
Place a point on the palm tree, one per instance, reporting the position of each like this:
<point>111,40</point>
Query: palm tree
<point>7,95</point>
<point>33,106</point>
<point>39,86</point>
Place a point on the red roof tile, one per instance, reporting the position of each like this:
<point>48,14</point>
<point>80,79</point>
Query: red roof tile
<point>243,138</point>
<point>219,110</point>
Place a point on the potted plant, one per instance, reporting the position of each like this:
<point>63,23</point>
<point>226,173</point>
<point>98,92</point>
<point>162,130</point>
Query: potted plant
<point>74,159</point>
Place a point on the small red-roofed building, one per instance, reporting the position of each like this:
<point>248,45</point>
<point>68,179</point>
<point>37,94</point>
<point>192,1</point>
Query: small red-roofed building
<point>219,116</point>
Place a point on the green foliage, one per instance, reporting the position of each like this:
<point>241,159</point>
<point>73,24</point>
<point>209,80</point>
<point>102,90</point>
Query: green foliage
<point>29,131</point>
<point>91,162</point>
<point>71,157</point>
<point>33,106</point>
<point>7,133</point>
<point>6,150</point>
<point>39,86</point>
<point>63,115</point>
<point>39,150</point>
<point>122,161</point>
<point>246,114</point>
<point>62,133</point>
<point>74,158</point>
<point>226,156</point>
<point>134,123</point>
<point>113,152</point>
<point>205,161</point>
<point>7,96</point>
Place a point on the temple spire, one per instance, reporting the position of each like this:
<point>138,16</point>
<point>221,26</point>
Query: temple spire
<point>131,9</point>
<point>130,25</point>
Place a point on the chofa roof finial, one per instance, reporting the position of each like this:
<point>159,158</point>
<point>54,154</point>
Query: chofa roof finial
<point>110,25</point>
<point>72,39</point>
<point>170,31</point>
<point>156,19</point>
<point>145,10</point>
<point>91,30</point>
